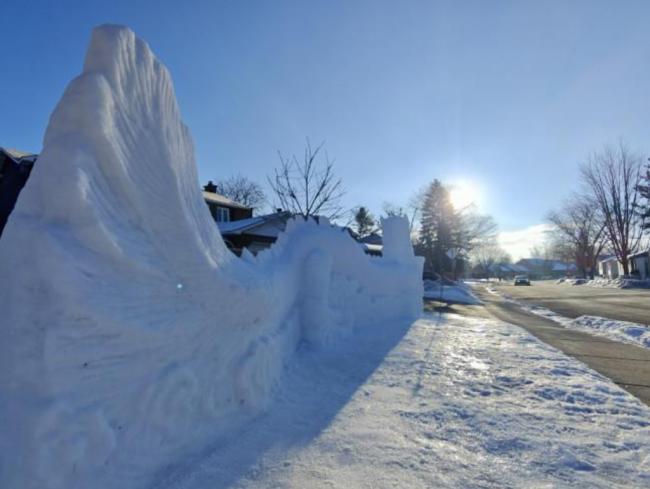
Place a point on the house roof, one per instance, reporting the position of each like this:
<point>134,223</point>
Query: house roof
<point>508,267</point>
<point>377,248</point>
<point>219,199</point>
<point>553,265</point>
<point>608,259</point>
<point>536,262</point>
<point>372,238</point>
<point>19,156</point>
<point>639,254</point>
<point>248,226</point>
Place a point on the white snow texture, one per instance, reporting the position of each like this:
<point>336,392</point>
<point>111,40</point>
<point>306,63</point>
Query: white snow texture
<point>130,335</point>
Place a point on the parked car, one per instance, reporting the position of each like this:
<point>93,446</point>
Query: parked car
<point>522,280</point>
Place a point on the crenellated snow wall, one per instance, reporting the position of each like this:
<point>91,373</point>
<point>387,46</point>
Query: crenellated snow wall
<point>129,334</point>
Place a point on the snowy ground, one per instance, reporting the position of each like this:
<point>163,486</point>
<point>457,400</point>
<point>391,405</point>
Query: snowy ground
<point>622,331</point>
<point>616,283</point>
<point>449,402</point>
<point>620,283</point>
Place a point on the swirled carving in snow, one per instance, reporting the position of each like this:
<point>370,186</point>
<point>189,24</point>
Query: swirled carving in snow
<point>129,333</point>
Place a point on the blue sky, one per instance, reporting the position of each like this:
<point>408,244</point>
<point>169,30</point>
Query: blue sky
<point>508,95</point>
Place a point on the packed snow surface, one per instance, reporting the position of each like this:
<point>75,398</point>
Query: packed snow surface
<point>456,292</point>
<point>450,402</point>
<point>130,336</point>
<point>622,331</point>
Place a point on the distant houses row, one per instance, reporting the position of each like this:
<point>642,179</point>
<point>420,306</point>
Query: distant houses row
<point>534,268</point>
<point>539,268</point>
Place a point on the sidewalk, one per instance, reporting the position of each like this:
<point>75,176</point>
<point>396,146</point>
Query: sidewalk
<point>627,365</point>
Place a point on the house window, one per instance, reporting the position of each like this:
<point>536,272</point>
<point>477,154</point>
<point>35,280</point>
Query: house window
<point>223,214</point>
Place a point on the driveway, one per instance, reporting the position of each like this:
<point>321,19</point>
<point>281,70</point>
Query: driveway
<point>578,300</point>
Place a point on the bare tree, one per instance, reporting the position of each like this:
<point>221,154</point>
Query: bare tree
<point>243,191</point>
<point>488,253</point>
<point>612,175</point>
<point>475,229</point>
<point>412,211</point>
<point>306,187</point>
<point>580,232</point>
<point>644,192</point>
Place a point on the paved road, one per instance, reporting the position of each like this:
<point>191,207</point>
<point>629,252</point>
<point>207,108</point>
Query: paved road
<point>578,300</point>
<point>626,364</point>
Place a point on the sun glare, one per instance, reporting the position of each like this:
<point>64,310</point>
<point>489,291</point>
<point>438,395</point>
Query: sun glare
<point>463,194</point>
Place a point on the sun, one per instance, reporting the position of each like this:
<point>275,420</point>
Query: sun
<point>463,194</point>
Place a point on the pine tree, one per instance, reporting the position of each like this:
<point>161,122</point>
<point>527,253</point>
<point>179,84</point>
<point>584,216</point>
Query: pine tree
<point>364,221</point>
<point>438,229</point>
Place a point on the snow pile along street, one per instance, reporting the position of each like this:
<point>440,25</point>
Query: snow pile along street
<point>130,336</point>
<point>622,331</point>
<point>456,403</point>
<point>453,292</point>
<point>620,283</point>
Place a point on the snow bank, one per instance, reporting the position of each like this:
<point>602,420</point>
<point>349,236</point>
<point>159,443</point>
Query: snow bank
<point>620,283</point>
<point>622,331</point>
<point>130,335</point>
<point>459,292</point>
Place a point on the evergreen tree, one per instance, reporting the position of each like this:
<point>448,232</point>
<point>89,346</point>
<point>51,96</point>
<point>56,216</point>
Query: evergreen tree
<point>438,228</point>
<point>364,222</point>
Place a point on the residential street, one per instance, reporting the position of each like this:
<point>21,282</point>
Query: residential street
<point>572,301</point>
<point>627,365</point>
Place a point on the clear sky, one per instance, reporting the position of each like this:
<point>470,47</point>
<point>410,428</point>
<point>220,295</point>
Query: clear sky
<point>509,96</point>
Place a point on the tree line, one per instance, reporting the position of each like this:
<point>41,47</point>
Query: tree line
<point>446,236</point>
<point>609,212</point>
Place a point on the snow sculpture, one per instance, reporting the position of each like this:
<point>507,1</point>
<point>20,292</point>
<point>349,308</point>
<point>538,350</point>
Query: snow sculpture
<point>129,333</point>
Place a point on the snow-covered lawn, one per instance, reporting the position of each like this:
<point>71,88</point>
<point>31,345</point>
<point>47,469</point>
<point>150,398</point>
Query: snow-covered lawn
<point>622,331</point>
<point>456,403</point>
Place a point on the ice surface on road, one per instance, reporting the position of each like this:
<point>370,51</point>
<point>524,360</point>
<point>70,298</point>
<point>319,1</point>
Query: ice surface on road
<point>456,403</point>
<point>130,336</point>
<point>622,331</point>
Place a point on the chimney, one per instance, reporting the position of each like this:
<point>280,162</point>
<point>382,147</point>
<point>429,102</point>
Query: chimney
<point>210,187</point>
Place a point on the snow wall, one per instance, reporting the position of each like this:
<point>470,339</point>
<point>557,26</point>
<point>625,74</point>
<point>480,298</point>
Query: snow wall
<point>130,335</point>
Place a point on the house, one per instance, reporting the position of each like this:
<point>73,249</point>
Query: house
<point>372,244</point>
<point>222,208</point>
<point>506,270</point>
<point>640,265</point>
<point>260,232</point>
<point>15,167</point>
<point>541,268</point>
<point>609,267</point>
<point>253,233</point>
